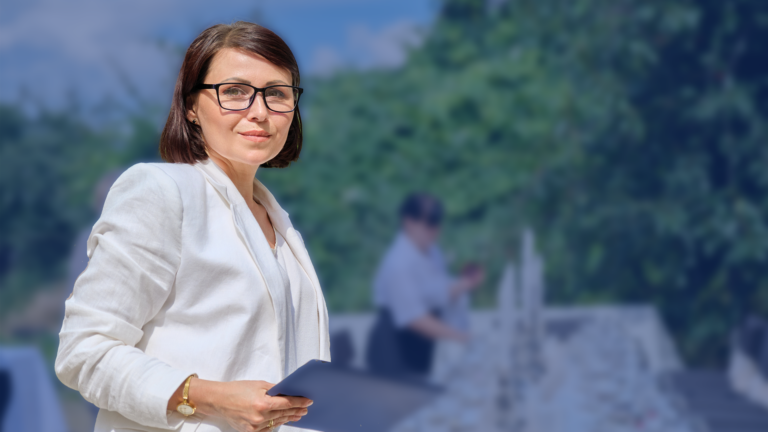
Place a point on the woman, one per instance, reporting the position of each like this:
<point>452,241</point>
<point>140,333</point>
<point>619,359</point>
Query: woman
<point>199,294</point>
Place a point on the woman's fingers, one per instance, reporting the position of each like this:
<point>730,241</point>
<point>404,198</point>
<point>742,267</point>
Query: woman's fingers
<point>278,403</point>
<point>275,415</point>
<point>277,422</point>
<point>248,408</point>
<point>279,418</point>
<point>267,428</point>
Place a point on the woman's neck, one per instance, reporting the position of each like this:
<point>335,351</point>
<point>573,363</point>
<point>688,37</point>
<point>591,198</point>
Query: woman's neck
<point>242,175</point>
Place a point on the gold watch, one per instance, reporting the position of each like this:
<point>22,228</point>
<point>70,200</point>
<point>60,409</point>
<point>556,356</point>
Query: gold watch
<point>185,407</point>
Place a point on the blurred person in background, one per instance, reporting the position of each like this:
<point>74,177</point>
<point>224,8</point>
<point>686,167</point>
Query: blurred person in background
<point>418,301</point>
<point>199,293</point>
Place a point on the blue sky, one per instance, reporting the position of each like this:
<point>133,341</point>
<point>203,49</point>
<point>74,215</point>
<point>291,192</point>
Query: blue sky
<point>51,49</point>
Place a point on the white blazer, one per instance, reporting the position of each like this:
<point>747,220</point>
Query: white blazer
<point>180,280</point>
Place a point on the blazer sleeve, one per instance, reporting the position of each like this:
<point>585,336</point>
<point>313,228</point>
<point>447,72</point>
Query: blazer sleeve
<point>134,251</point>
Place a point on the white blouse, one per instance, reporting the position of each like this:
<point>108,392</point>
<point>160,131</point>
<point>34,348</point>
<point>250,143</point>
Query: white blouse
<point>181,280</point>
<point>302,298</point>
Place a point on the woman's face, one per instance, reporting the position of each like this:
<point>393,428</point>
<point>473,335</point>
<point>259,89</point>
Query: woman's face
<point>252,136</point>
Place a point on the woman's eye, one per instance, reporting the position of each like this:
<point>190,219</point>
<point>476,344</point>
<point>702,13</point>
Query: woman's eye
<point>275,93</point>
<point>234,91</point>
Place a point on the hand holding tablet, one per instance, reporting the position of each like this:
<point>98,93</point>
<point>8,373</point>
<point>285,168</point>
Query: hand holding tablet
<point>347,400</point>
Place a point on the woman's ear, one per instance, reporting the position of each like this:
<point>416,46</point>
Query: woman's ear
<point>191,103</point>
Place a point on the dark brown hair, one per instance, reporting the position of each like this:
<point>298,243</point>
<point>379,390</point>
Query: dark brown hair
<point>182,141</point>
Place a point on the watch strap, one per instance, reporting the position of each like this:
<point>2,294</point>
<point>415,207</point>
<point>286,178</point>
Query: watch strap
<point>185,393</point>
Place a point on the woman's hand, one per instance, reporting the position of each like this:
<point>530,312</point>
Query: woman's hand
<point>245,405</point>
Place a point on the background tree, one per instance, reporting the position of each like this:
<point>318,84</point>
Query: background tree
<point>673,209</point>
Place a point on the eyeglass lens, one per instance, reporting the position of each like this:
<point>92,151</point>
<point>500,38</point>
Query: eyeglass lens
<point>238,97</point>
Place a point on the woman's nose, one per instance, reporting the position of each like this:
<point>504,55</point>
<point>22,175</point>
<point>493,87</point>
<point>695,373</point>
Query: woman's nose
<point>258,111</point>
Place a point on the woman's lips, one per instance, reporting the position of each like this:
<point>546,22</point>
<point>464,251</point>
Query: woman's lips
<point>255,136</point>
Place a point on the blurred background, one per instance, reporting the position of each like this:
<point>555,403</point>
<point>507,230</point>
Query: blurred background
<point>604,161</point>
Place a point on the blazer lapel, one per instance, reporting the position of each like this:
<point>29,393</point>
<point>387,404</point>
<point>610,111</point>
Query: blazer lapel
<point>296,244</point>
<point>292,237</point>
<point>252,236</point>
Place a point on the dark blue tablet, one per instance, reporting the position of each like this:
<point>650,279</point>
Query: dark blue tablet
<point>349,400</point>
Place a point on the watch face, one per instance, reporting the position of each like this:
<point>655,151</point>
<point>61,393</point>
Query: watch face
<point>185,409</point>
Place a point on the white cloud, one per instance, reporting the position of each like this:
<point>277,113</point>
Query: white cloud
<point>325,61</point>
<point>88,46</point>
<point>48,48</point>
<point>387,47</point>
<point>366,48</point>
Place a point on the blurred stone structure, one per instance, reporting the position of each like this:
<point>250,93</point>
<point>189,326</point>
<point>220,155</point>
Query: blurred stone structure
<point>748,368</point>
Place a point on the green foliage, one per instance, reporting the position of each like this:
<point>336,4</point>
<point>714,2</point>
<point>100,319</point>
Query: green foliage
<point>49,165</point>
<point>483,115</point>
<point>672,210</point>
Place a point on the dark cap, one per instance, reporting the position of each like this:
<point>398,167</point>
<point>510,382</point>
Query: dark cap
<point>422,207</point>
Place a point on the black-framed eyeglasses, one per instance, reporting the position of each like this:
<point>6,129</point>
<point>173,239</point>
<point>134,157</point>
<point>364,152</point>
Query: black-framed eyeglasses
<point>239,96</point>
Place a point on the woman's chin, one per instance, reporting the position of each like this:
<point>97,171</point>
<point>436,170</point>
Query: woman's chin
<point>257,160</point>
<point>254,158</point>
